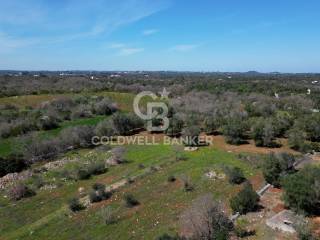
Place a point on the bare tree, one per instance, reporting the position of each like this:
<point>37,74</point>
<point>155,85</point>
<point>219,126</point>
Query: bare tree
<point>206,220</point>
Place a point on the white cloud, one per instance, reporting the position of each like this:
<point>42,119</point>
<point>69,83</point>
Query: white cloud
<point>73,19</point>
<point>8,43</point>
<point>117,45</point>
<point>129,51</point>
<point>125,49</point>
<point>185,47</point>
<point>149,32</point>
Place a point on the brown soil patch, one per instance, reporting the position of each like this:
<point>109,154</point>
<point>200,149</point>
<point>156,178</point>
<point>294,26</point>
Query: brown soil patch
<point>316,157</point>
<point>316,226</point>
<point>257,181</point>
<point>275,190</point>
<point>101,204</point>
<point>272,200</point>
<point>219,142</point>
<point>279,208</point>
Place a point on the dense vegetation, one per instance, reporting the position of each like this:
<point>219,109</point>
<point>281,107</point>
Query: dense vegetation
<point>14,121</point>
<point>162,187</point>
<point>302,191</point>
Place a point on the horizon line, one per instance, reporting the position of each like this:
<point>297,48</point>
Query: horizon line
<point>177,71</point>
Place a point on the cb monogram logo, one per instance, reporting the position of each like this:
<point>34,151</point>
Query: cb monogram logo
<point>152,110</point>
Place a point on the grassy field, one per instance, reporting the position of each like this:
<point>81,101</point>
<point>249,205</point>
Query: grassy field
<point>13,144</point>
<point>124,100</point>
<point>45,216</point>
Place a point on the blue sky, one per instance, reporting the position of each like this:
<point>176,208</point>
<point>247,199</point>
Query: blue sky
<point>203,35</point>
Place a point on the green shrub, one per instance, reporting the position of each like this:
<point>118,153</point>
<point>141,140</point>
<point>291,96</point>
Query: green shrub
<point>304,229</point>
<point>104,194</point>
<point>296,139</point>
<point>172,178</point>
<point>234,131</point>
<point>83,174</point>
<point>75,205</point>
<point>105,128</point>
<point>130,200</point>
<point>210,125</point>
<point>235,175</point>
<point>94,168</point>
<point>240,231</point>
<point>5,130</point>
<point>241,228</point>
<point>76,137</point>
<point>81,111</point>
<point>17,127</point>
<point>99,193</point>
<point>94,197</point>
<point>105,107</point>
<point>245,201</point>
<point>311,126</point>
<point>48,122</point>
<point>263,133</point>
<point>301,190</point>
<point>175,127</point>
<point>20,191</point>
<point>130,180</point>
<point>191,136</point>
<point>98,186</point>
<point>126,124</point>
<point>11,164</point>
<point>97,168</point>
<point>276,166</point>
<point>37,181</point>
<point>315,146</point>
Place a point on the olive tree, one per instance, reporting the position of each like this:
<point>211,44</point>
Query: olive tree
<point>276,166</point>
<point>302,190</point>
